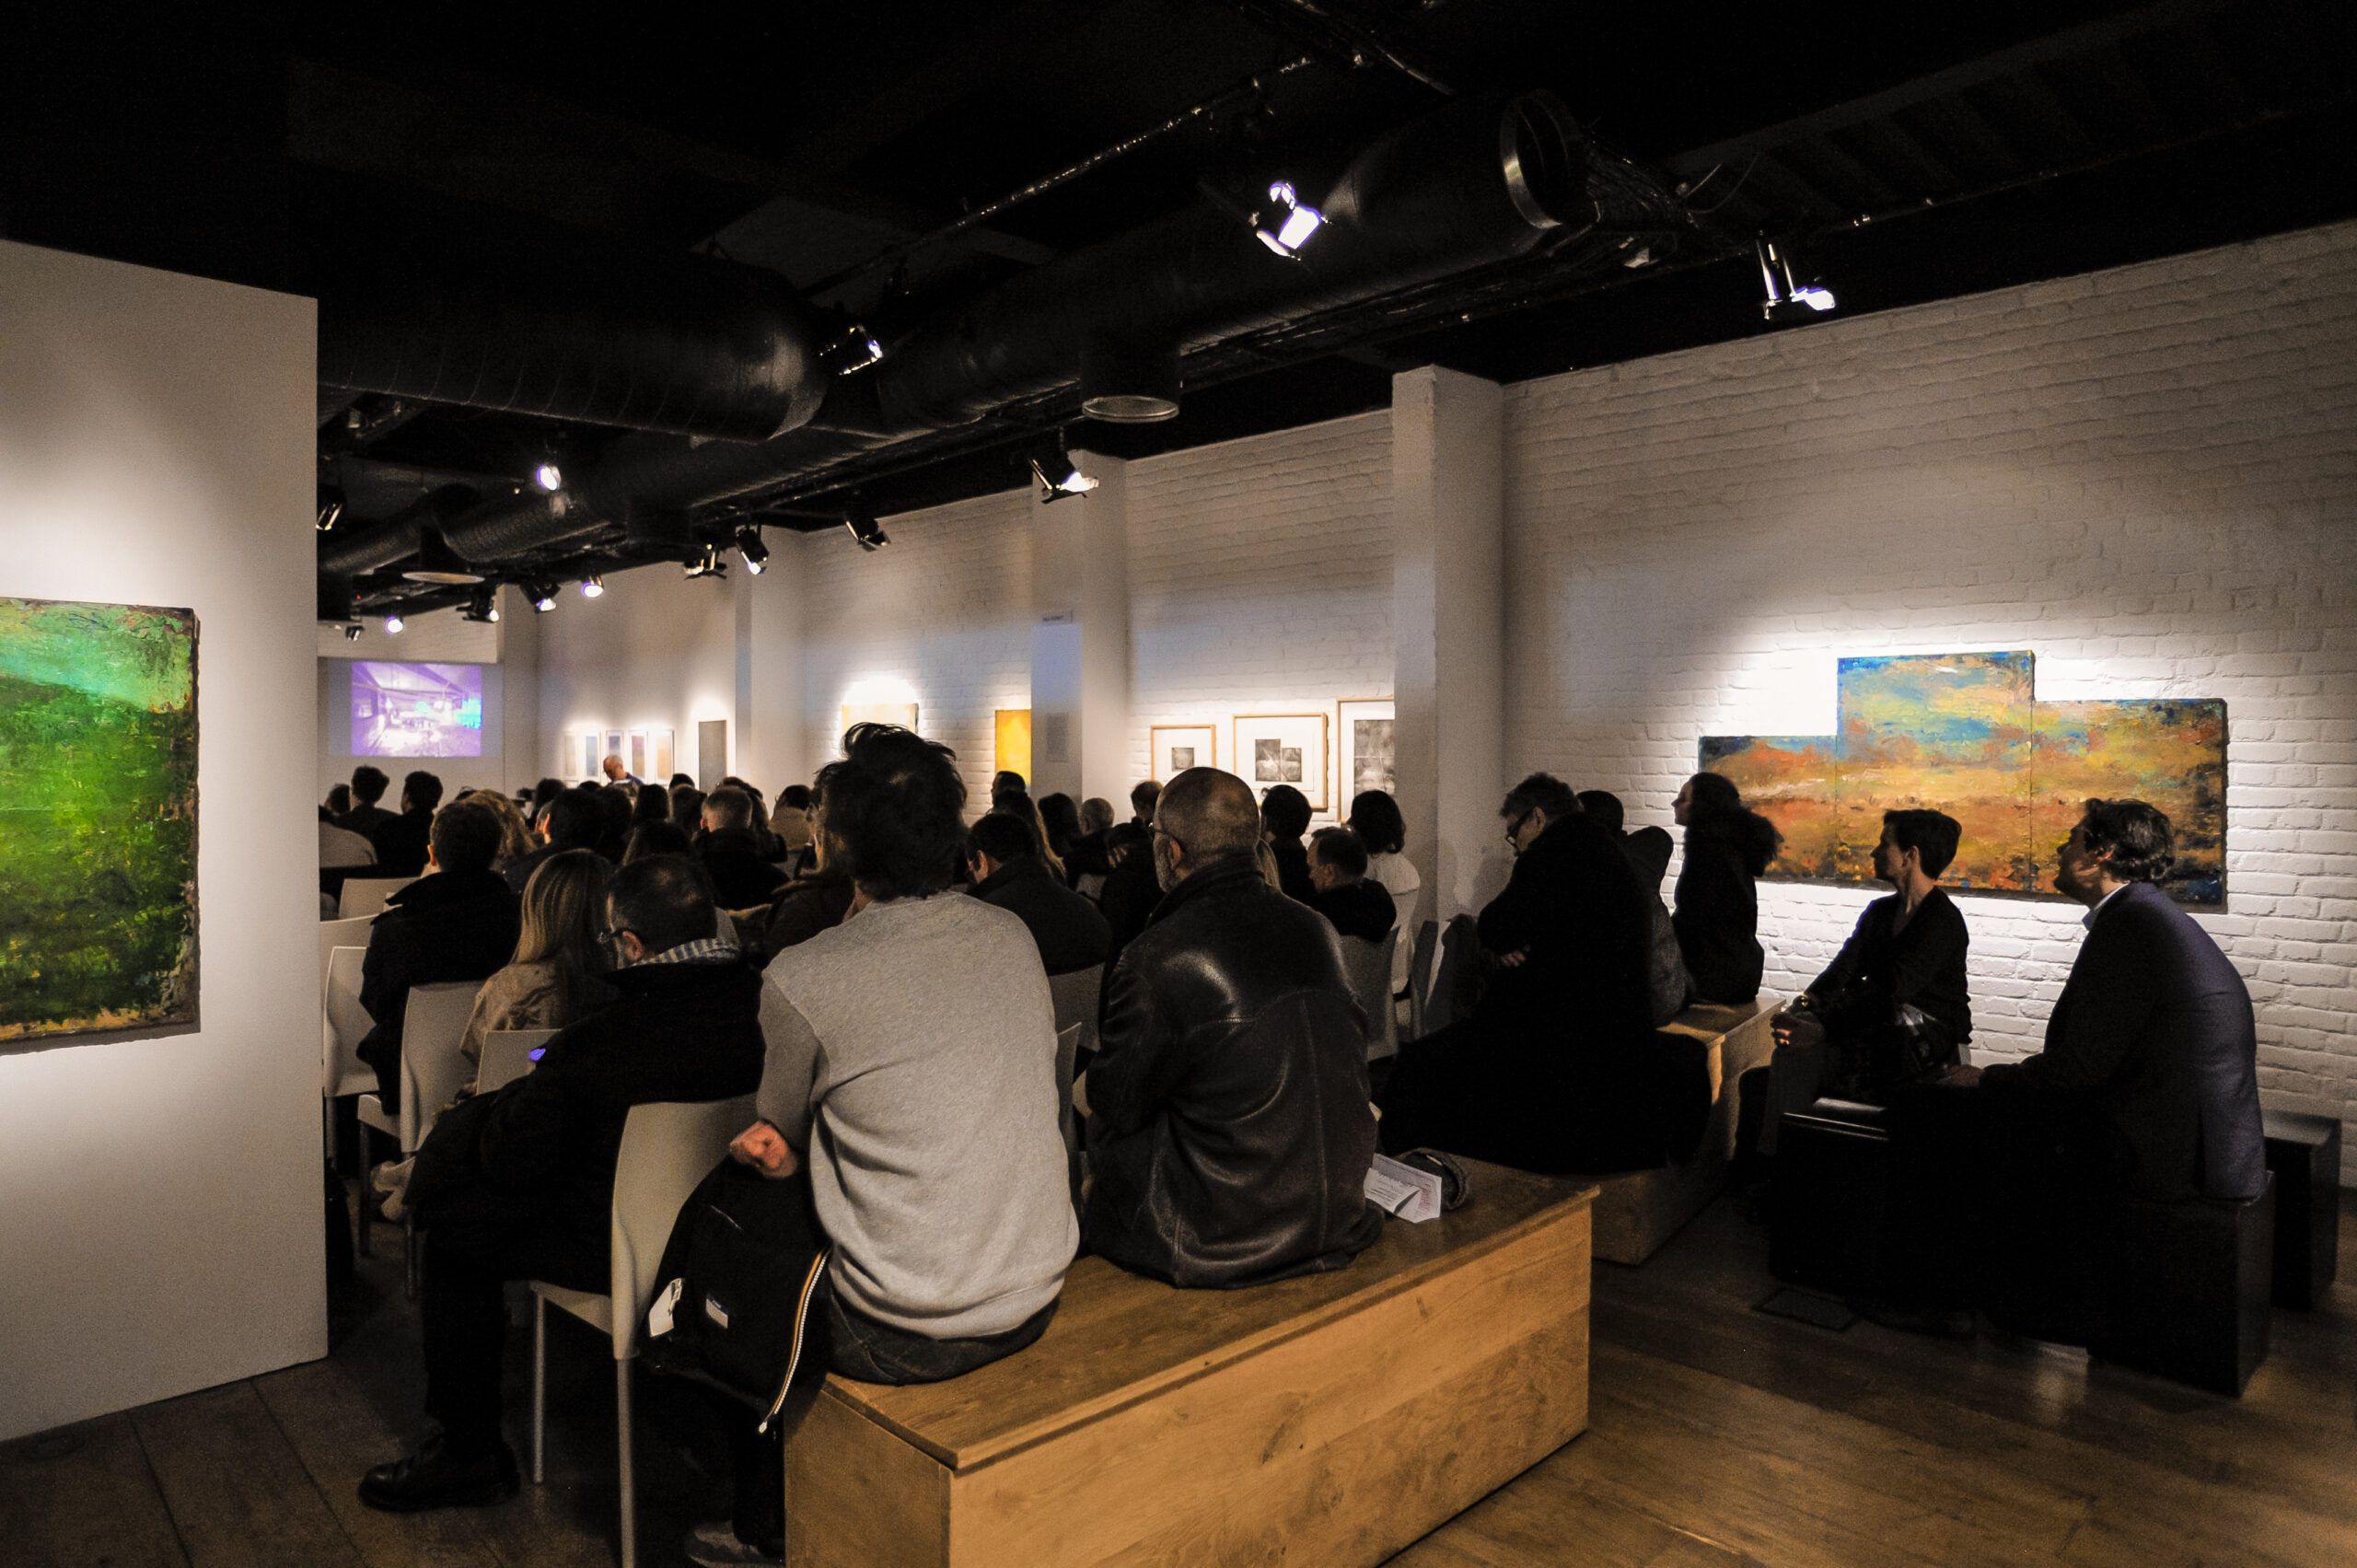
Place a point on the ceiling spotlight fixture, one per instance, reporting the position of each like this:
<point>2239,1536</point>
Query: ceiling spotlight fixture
<point>1057,476</point>
<point>749,546</point>
<point>437,562</point>
<point>393,624</point>
<point>1788,300</point>
<point>543,596</point>
<point>549,477</point>
<point>592,586</point>
<point>352,634</point>
<point>708,565</point>
<point>865,528</point>
<point>331,507</point>
<point>1293,229</point>
<point>483,606</point>
<point>855,348</point>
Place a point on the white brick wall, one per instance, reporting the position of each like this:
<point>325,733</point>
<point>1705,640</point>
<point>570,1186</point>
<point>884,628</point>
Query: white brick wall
<point>941,619</point>
<point>1260,578</point>
<point>2148,477</point>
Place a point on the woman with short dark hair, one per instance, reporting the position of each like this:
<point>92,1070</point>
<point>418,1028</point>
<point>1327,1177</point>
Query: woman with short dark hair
<point>1375,818</point>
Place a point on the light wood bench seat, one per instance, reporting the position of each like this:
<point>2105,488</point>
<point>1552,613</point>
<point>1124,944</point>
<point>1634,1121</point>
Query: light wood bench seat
<point>1636,1211</point>
<point>1325,1421</point>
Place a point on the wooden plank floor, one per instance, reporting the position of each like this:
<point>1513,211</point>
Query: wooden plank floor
<point>1721,1438</point>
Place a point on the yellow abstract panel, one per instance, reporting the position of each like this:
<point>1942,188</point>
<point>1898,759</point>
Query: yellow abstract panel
<point>1013,731</point>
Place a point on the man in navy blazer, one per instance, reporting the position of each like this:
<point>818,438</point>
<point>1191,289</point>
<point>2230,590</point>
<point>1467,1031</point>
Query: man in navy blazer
<point>2153,1038</point>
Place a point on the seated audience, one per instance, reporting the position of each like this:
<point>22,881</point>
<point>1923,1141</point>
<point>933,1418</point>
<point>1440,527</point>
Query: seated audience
<point>1648,850</point>
<point>1375,818</point>
<point>1229,1130</point>
<point>551,981</point>
<point>687,810</point>
<point>649,839</point>
<point>400,842</point>
<point>570,821</point>
<point>337,806</point>
<point>460,922</point>
<point>1717,921</point>
<point>614,803</point>
<point>1556,1071</point>
<point>650,803</point>
<point>911,1081</point>
<point>1130,892</point>
<point>791,820</point>
<point>365,817</point>
<point>1008,872</point>
<point>1017,804</point>
<point>543,794</point>
<point>519,1185</point>
<point>1285,817</point>
<point>1143,795</point>
<point>1339,888</point>
<point>516,840</point>
<point>681,781</point>
<point>1088,856</point>
<point>741,876</point>
<point>819,895</point>
<point>1060,821</point>
<point>1892,1008</point>
<point>339,848</point>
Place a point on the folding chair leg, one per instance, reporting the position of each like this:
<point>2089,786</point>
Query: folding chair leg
<point>629,1478</point>
<point>539,1388</point>
<point>409,1255</point>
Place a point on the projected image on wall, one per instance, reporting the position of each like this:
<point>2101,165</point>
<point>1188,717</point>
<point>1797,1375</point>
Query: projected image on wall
<point>416,710</point>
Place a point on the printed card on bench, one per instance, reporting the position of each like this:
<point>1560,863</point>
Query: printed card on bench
<point>1402,1191</point>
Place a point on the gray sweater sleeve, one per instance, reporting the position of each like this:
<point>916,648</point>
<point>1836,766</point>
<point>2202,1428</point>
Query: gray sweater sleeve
<point>791,1069</point>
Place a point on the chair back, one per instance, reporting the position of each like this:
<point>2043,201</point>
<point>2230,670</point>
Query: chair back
<point>343,1021</point>
<point>1089,884</point>
<point>1075,995</point>
<point>1455,984</point>
<point>1368,965</point>
<point>431,1068</point>
<point>334,934</point>
<point>341,847</point>
<point>507,1056</point>
<point>367,895</point>
<point>1420,976</point>
<point>666,1149</point>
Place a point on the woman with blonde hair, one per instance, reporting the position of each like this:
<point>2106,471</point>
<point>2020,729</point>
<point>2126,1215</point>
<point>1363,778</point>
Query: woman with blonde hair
<point>515,839</point>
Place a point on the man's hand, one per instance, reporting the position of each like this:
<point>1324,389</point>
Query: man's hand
<point>1794,1028</point>
<point>764,1148</point>
<point>1960,1078</point>
<point>1515,959</point>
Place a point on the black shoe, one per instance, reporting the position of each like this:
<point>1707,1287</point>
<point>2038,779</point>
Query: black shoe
<point>435,1477</point>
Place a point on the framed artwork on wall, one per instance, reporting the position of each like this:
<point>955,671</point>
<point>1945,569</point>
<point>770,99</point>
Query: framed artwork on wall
<point>1365,757</point>
<point>612,747</point>
<point>1012,731</point>
<point>98,825</point>
<point>1289,749</point>
<point>1172,748</point>
<point>658,744</point>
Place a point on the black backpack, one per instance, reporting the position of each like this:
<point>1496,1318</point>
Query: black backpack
<point>738,1286</point>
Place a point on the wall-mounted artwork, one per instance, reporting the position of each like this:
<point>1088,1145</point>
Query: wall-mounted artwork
<point>1365,756</point>
<point>585,755</point>
<point>1172,748</point>
<point>1964,734</point>
<point>1290,748</point>
<point>1012,730</point>
<point>97,824</point>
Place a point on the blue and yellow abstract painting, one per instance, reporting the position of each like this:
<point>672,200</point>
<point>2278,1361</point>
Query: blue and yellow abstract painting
<point>1964,734</point>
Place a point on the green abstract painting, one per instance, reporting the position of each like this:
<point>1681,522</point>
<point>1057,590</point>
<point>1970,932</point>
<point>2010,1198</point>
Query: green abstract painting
<point>98,817</point>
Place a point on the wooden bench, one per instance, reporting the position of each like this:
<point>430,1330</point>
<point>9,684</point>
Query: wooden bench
<point>1636,1211</point>
<point>1326,1421</point>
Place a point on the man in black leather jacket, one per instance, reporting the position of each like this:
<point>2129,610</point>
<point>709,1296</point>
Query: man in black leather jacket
<point>1229,1128</point>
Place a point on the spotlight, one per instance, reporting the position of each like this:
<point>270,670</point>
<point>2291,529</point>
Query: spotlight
<point>543,596</point>
<point>483,606</point>
<point>592,586</point>
<point>865,528</point>
<point>352,634</point>
<point>549,477</point>
<point>331,507</point>
<point>393,624</point>
<point>1787,300</point>
<point>755,553</point>
<point>1293,231</point>
<point>855,348</point>
<point>708,565</point>
<point>1054,471</point>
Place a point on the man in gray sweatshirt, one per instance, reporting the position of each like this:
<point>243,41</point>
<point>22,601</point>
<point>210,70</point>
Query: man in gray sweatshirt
<point>912,1078</point>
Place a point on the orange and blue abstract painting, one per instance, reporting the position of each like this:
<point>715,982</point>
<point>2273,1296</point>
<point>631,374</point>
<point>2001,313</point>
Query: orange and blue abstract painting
<point>1964,734</point>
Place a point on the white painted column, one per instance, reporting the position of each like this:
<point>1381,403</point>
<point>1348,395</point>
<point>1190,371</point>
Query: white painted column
<point>771,741</point>
<point>1080,637</point>
<point>1449,613</point>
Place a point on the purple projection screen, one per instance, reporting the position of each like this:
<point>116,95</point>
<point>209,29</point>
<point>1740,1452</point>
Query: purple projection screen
<point>416,710</point>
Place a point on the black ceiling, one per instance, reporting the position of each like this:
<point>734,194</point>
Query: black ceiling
<point>1915,153</point>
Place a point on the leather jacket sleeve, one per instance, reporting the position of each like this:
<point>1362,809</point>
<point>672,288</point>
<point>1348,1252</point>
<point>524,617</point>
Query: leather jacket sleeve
<point>1136,1066</point>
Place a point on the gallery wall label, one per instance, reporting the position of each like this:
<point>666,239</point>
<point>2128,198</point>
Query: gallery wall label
<point>97,824</point>
<point>1966,734</point>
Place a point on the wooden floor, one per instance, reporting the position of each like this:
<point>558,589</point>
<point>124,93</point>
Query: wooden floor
<point>1720,1436</point>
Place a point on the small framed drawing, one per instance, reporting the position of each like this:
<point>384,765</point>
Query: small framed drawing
<point>1364,757</point>
<point>1290,748</point>
<point>1172,748</point>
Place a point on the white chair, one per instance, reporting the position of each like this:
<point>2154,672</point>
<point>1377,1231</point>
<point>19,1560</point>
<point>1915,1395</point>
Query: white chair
<point>334,934</point>
<point>343,1021</point>
<point>432,1071</point>
<point>667,1150</point>
<point>1368,964</point>
<point>507,1056</point>
<point>1075,995</point>
<point>367,895</point>
<point>1089,884</point>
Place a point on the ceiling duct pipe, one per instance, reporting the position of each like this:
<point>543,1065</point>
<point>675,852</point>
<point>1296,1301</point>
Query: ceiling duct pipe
<point>1473,184</point>
<point>688,344</point>
<point>362,551</point>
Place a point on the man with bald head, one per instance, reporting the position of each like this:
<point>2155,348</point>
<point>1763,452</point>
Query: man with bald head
<point>1229,1130</point>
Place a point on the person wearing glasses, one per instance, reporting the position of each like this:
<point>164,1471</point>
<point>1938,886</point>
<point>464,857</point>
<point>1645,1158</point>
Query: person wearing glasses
<point>519,1184</point>
<point>1556,1070</point>
<point>1229,1130</point>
